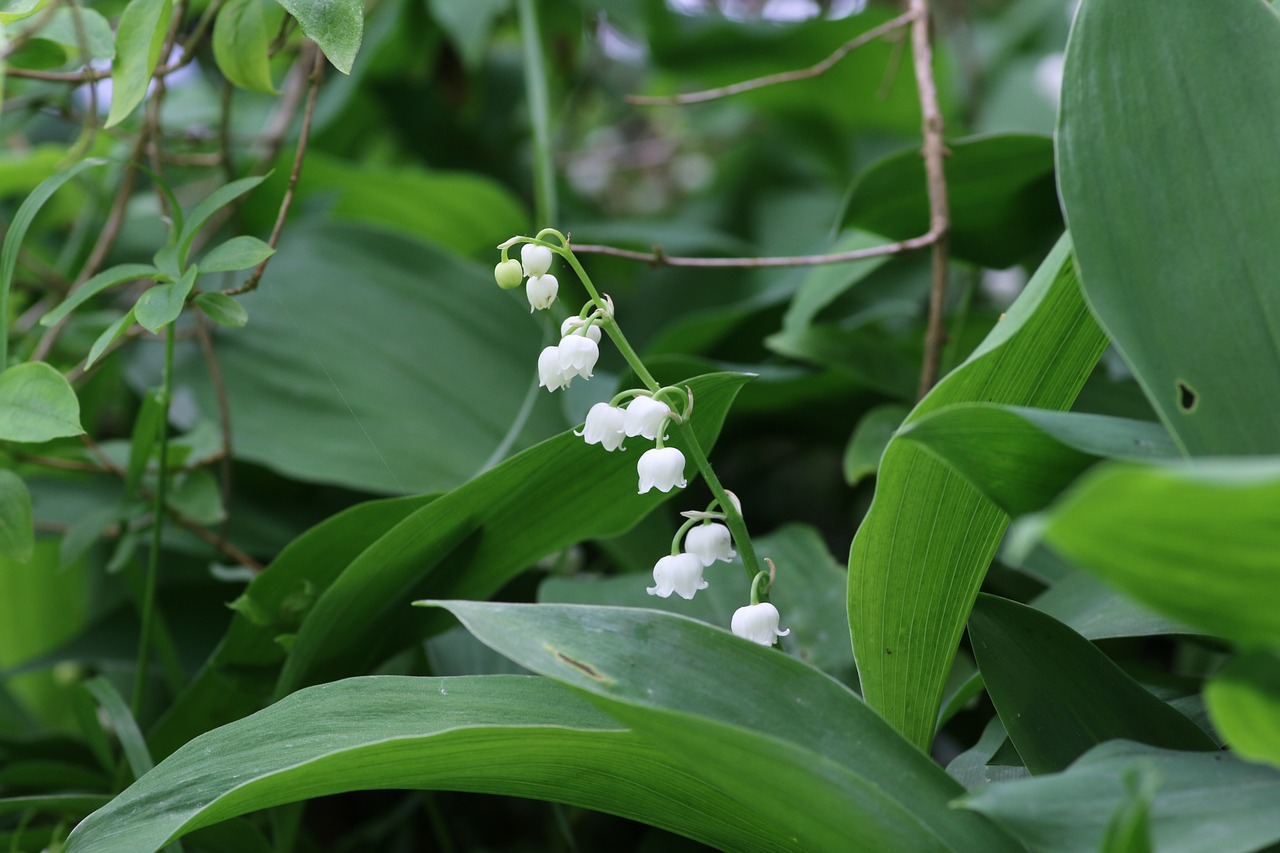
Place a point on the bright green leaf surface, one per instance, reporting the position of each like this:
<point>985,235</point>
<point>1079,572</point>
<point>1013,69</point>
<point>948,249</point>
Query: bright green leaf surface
<point>84,27</point>
<point>336,25</point>
<point>139,38</point>
<point>1195,540</point>
<point>512,735</point>
<point>207,207</point>
<point>37,403</point>
<point>1205,803</point>
<point>14,10</point>
<point>162,304</point>
<point>1244,703</point>
<point>238,253</point>
<point>108,337</point>
<point>1023,458</point>
<point>241,43</point>
<point>222,309</point>
<point>1171,186</point>
<point>869,439</point>
<point>94,286</point>
<point>17,536</point>
<point>1004,208</point>
<point>477,537</point>
<point>1058,695</point>
<point>921,553</point>
<point>693,692</point>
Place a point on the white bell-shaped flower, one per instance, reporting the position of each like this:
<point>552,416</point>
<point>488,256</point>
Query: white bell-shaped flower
<point>578,355</point>
<point>541,291</point>
<point>661,468</point>
<point>758,623</point>
<point>535,259</point>
<point>572,324</point>
<point>550,375</point>
<point>604,426</point>
<point>678,573</point>
<point>644,416</point>
<point>710,542</point>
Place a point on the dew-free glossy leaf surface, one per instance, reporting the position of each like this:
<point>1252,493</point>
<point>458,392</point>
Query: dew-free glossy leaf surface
<point>336,25</point>
<point>1058,695</point>
<point>1195,540</point>
<point>139,39</point>
<point>513,735</point>
<point>1023,458</point>
<point>921,553</point>
<point>692,691</point>
<point>241,44</point>
<point>1244,703</point>
<point>1205,802</point>
<point>37,403</point>
<point>1170,186</point>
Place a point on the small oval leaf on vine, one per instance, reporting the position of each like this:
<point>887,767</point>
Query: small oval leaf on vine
<point>222,309</point>
<point>238,253</point>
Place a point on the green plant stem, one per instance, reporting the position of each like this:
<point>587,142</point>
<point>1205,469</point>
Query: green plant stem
<point>732,517</point>
<point>157,528</point>
<point>535,81</point>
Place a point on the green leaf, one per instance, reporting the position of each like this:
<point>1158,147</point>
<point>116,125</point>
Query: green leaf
<point>83,26</point>
<point>1244,704</point>
<point>238,253</point>
<point>37,403</point>
<point>16,10</point>
<point>242,42</point>
<point>17,536</point>
<point>211,204</point>
<point>222,309</point>
<point>1097,612</point>
<point>479,536</point>
<point>921,553</point>
<point>1058,695</point>
<point>513,735</point>
<point>335,25</point>
<point>162,304</point>
<point>704,708</point>
<point>1020,458</point>
<point>1206,802</point>
<point>108,337</point>
<point>198,497</point>
<point>1130,827</point>
<point>100,282</point>
<point>17,231</point>
<point>823,285</point>
<point>1004,206</point>
<point>869,439</point>
<point>146,432</point>
<point>122,721</point>
<point>139,40</point>
<point>1194,540</point>
<point>1170,186</point>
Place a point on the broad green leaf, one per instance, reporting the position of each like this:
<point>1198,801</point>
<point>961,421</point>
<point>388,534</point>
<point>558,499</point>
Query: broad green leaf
<point>335,25</point>
<point>17,536</point>
<point>1058,695</point>
<point>37,403</point>
<point>100,282</point>
<point>1021,458</point>
<point>923,549</point>
<point>1206,802</point>
<point>1004,206</point>
<point>1098,612</point>
<point>108,337</point>
<point>514,735</point>
<point>869,439</point>
<point>74,28</point>
<point>703,706</point>
<point>139,39</point>
<point>238,253</point>
<point>222,309</point>
<point>162,304</point>
<point>1170,187</point>
<point>211,204</point>
<point>16,10</point>
<point>1244,703</point>
<point>13,241</point>
<point>477,537</point>
<point>241,44</point>
<point>1195,540</point>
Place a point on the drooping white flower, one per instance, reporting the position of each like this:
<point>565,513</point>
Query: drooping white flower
<point>578,355</point>
<point>758,623</point>
<point>541,291</point>
<point>710,542</point>
<point>508,274</point>
<point>661,468</point>
<point>604,426</point>
<point>550,375</point>
<point>535,259</point>
<point>678,573</point>
<point>644,416</point>
<point>573,323</point>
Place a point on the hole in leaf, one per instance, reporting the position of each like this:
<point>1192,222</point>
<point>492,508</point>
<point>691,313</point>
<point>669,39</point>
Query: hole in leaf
<point>1187,398</point>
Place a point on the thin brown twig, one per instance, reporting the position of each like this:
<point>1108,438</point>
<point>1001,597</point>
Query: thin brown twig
<point>936,180</point>
<point>911,15</point>
<point>659,258</point>
<point>304,133</point>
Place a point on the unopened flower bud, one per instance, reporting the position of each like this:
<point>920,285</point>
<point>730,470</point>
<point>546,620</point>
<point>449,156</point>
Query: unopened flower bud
<point>508,274</point>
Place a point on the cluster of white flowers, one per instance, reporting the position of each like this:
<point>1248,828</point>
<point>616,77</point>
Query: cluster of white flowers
<point>576,355</point>
<point>660,468</point>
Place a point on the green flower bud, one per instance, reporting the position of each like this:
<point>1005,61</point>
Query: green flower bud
<point>509,274</point>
